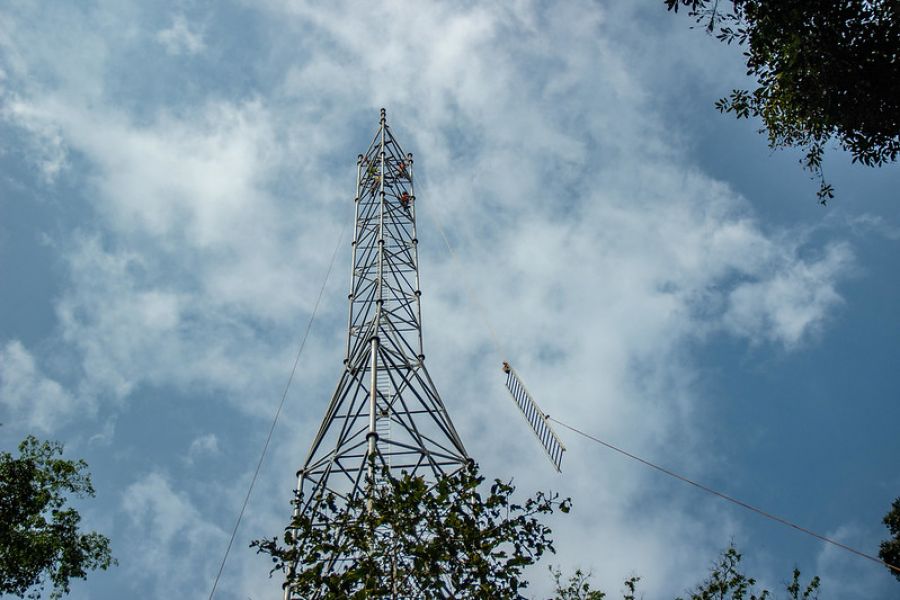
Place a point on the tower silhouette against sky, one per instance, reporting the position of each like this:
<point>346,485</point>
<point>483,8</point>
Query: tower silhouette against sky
<point>386,414</point>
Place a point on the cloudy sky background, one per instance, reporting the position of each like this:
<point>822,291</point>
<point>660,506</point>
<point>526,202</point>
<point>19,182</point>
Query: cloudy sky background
<point>173,180</point>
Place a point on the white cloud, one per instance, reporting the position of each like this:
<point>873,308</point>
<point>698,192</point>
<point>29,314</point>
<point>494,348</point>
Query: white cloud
<point>868,224</point>
<point>852,577</point>
<point>203,446</point>
<point>171,547</point>
<point>46,148</point>
<point>106,435</point>
<point>29,396</point>
<point>130,332</point>
<point>180,39</point>
<point>792,300</point>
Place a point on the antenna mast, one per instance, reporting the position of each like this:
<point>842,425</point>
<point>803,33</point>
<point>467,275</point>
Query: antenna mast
<point>385,413</point>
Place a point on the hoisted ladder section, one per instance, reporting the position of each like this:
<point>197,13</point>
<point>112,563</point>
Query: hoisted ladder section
<point>535,416</point>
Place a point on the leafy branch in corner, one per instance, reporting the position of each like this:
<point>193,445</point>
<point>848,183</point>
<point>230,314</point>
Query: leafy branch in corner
<point>40,540</point>
<point>824,71</point>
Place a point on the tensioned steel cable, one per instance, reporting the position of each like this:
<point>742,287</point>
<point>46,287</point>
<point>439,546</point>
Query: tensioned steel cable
<point>287,386</point>
<point>750,507</point>
<point>731,499</point>
<point>470,293</point>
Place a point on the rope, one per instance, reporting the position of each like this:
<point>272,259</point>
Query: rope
<point>740,503</point>
<point>287,386</point>
<point>495,340</point>
<point>470,293</point>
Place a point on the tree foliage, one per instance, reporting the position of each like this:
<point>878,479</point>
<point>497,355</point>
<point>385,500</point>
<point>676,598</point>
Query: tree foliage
<point>412,539</point>
<point>576,587</point>
<point>39,536</point>
<point>890,549</point>
<point>824,70</point>
<point>726,581</point>
<point>416,540</point>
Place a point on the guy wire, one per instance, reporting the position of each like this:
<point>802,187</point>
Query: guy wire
<point>731,499</point>
<point>496,342</point>
<point>287,386</point>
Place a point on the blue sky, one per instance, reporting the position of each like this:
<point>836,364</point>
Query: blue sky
<point>173,178</point>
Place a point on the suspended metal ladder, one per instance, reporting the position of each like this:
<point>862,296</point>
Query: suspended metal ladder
<point>540,423</point>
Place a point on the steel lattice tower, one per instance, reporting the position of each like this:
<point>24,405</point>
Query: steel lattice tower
<point>385,406</point>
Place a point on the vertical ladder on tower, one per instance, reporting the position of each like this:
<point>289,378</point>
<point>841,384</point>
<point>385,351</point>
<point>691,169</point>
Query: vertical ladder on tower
<point>383,426</point>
